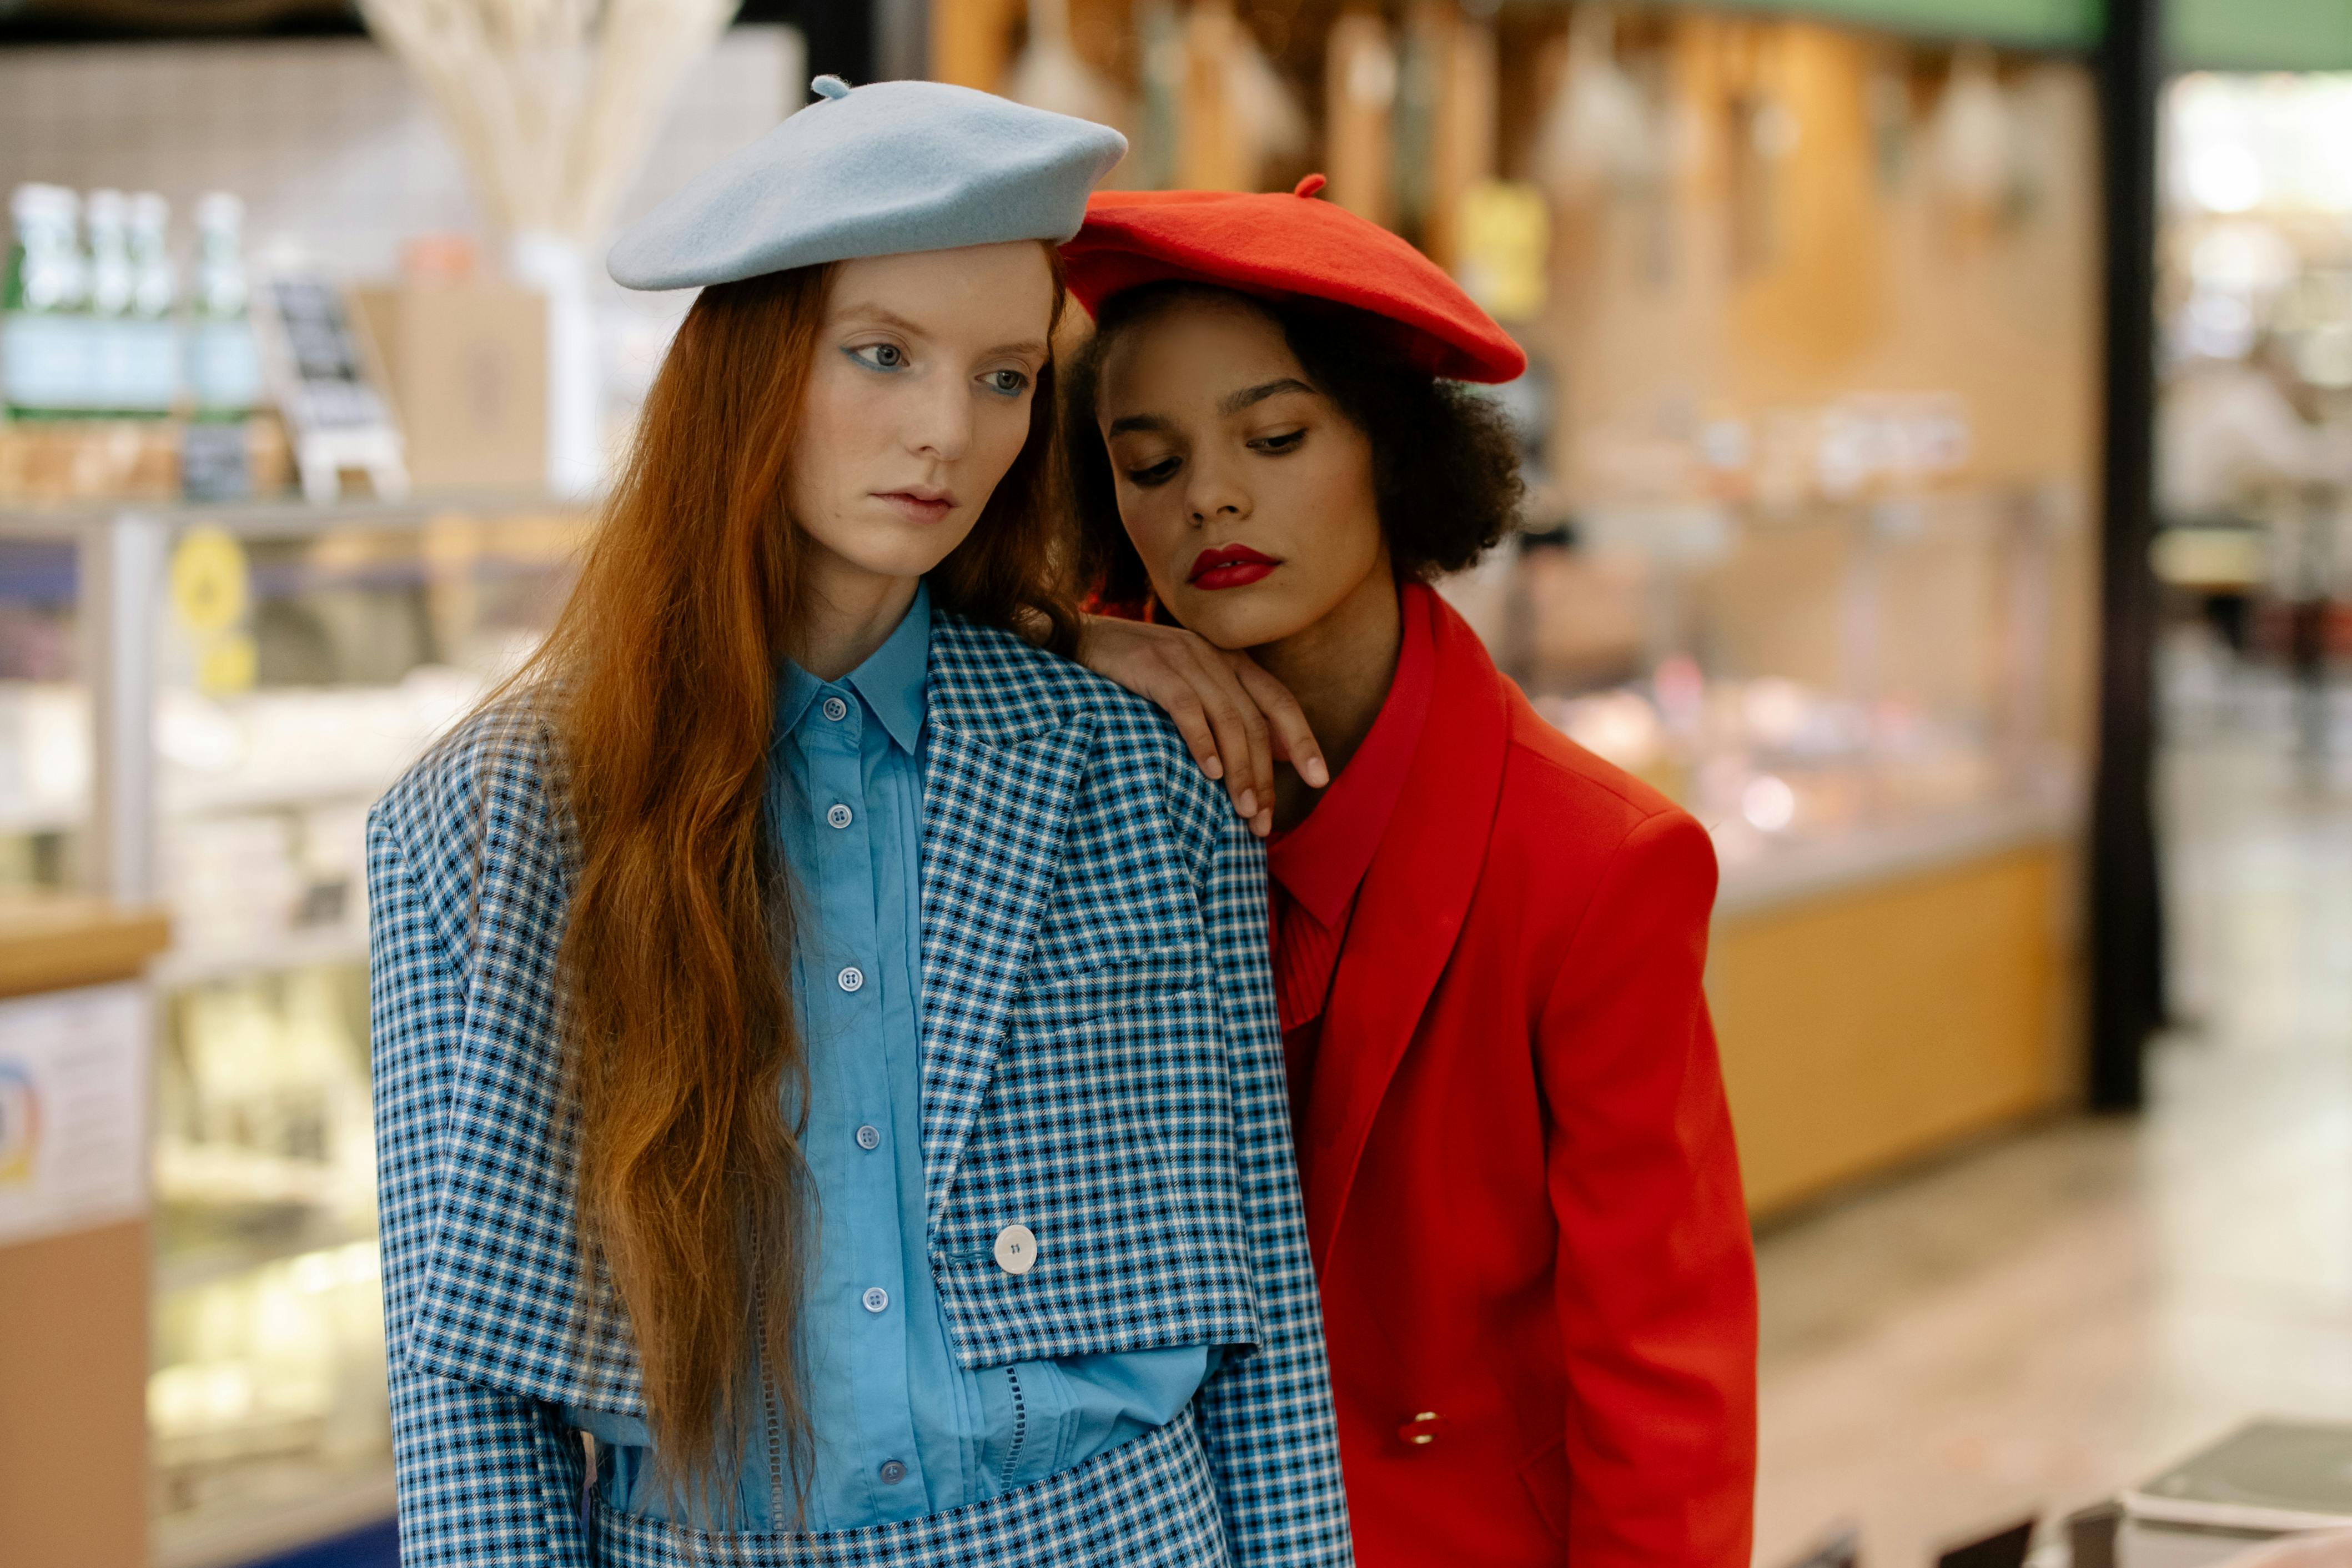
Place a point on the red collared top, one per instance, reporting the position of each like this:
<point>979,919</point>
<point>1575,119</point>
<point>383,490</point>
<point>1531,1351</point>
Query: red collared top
<point>1318,866</point>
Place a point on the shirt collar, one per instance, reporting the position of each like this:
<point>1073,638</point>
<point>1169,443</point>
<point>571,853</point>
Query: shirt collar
<point>1321,862</point>
<point>890,681</point>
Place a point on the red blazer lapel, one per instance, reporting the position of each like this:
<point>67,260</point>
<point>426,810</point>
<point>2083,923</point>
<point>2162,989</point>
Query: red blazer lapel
<point>1408,913</point>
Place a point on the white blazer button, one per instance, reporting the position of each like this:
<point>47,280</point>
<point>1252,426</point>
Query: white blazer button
<point>1016,1248</point>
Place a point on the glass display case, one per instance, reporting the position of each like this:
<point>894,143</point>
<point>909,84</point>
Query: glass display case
<point>198,706</point>
<point>1877,709</point>
<point>1828,687</point>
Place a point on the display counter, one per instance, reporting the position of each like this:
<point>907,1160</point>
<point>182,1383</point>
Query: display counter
<point>1894,992</point>
<point>74,1235</point>
<point>1876,713</point>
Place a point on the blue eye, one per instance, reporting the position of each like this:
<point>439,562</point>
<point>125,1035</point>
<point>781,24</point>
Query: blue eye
<point>1011,383</point>
<point>886,357</point>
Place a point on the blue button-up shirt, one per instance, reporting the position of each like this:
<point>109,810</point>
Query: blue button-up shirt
<point>901,1429</point>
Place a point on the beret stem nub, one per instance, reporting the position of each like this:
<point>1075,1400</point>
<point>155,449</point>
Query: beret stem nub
<point>829,87</point>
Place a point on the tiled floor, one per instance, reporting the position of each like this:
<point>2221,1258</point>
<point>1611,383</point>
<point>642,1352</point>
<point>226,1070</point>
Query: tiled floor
<point>2036,1323</point>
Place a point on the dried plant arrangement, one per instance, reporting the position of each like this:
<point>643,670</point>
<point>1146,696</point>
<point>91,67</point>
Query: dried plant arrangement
<point>552,102</point>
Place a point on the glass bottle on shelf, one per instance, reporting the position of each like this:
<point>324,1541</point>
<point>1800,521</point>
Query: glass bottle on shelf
<point>44,363</point>
<point>224,367</point>
<point>106,216</point>
<point>149,333</point>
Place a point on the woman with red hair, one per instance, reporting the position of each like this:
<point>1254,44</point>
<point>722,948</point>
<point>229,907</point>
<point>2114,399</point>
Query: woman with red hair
<point>1521,1194</point>
<point>828,1095</point>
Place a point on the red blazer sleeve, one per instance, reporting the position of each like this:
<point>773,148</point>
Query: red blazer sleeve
<point>1657,1279</point>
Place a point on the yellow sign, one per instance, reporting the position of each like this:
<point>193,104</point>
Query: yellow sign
<point>209,589</point>
<point>1503,247</point>
<point>227,664</point>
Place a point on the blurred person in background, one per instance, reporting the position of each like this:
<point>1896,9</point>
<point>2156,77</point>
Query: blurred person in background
<point>2237,447</point>
<point>1521,1190</point>
<point>824,1046</point>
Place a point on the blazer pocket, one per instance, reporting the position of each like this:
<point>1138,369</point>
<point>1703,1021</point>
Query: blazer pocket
<point>1050,1003</point>
<point>1546,1476</point>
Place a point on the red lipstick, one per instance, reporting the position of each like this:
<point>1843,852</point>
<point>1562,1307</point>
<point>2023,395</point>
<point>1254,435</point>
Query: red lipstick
<point>1229,566</point>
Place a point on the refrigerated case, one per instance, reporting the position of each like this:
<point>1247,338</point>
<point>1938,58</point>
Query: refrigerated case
<point>197,705</point>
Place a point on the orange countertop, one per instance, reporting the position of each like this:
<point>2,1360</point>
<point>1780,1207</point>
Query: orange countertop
<point>52,942</point>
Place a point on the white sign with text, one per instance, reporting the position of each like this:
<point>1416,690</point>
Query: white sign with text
<point>73,1110</point>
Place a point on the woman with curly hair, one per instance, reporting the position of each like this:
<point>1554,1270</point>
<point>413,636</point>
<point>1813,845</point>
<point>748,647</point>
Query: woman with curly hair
<point>1521,1192</point>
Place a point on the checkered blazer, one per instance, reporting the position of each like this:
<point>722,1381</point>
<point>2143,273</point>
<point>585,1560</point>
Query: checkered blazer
<point>1100,1060</point>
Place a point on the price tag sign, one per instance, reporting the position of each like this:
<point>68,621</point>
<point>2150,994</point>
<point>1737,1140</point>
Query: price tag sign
<point>322,376</point>
<point>73,1110</point>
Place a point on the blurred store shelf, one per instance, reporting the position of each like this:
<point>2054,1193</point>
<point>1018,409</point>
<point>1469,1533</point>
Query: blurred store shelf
<point>187,1266</point>
<point>283,518</point>
<point>187,964</point>
<point>314,1509</point>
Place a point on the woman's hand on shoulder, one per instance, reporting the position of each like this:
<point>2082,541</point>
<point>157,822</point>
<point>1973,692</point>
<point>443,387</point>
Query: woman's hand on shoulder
<point>1238,720</point>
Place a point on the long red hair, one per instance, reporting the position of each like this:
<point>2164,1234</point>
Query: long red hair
<point>682,1054</point>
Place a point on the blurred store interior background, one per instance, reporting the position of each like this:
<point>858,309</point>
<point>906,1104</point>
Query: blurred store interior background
<point>1940,429</point>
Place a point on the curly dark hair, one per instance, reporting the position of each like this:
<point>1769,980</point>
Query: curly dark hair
<point>1446,463</point>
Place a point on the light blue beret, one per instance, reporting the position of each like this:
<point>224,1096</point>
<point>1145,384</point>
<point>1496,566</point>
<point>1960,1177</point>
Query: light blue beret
<point>877,170</point>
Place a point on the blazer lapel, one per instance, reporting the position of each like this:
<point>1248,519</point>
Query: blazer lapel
<point>1408,913</point>
<point>1001,769</point>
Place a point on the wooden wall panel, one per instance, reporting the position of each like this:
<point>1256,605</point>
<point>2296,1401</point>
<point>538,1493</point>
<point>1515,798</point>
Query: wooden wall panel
<point>73,1399</point>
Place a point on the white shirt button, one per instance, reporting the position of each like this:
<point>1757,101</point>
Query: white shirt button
<point>850,979</point>
<point>1016,1248</point>
<point>835,709</point>
<point>876,1299</point>
<point>869,1136</point>
<point>839,815</point>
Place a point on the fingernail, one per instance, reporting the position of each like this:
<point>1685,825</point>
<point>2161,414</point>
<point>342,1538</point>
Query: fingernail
<point>1264,825</point>
<point>1247,805</point>
<point>1317,774</point>
<point>1214,767</point>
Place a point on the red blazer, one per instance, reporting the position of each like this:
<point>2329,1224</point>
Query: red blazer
<point>1537,1284</point>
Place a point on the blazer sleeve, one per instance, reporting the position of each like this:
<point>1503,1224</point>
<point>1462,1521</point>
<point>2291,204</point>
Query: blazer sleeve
<point>486,1479</point>
<point>1265,1417</point>
<point>1657,1276</point>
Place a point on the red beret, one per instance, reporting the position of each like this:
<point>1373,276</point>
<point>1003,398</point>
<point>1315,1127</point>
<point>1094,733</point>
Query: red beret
<point>1288,247</point>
